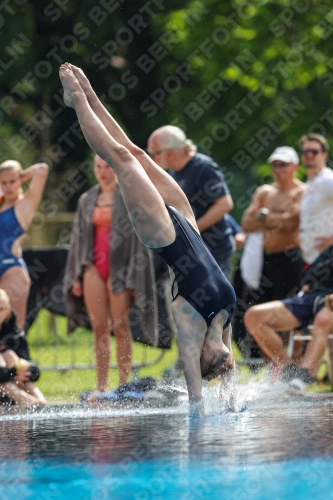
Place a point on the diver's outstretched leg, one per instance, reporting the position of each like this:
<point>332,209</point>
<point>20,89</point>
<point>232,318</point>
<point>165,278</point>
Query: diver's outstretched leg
<point>170,191</point>
<point>146,207</point>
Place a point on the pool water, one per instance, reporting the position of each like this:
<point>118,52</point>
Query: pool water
<point>277,449</point>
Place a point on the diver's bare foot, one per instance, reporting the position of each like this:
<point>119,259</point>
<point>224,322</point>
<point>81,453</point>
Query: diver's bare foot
<point>85,84</point>
<point>71,86</point>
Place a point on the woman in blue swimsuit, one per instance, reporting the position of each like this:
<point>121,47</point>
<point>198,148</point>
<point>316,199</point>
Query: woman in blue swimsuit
<point>161,215</point>
<point>16,213</point>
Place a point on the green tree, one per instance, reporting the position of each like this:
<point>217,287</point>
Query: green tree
<point>241,78</point>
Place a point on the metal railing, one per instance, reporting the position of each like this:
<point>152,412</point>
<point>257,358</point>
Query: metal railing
<point>78,354</point>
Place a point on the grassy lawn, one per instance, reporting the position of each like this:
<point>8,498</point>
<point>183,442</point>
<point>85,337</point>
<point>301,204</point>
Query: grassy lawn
<point>51,346</point>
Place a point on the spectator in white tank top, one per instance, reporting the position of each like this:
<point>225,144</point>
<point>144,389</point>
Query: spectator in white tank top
<point>316,211</point>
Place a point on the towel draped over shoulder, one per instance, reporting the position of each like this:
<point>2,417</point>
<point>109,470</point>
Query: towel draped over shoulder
<point>131,263</point>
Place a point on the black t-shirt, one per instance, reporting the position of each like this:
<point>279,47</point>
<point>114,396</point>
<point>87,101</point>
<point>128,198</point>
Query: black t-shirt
<point>12,337</point>
<point>319,276</point>
<point>203,183</point>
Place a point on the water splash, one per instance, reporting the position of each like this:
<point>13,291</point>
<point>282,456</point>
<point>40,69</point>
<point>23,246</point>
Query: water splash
<point>231,399</point>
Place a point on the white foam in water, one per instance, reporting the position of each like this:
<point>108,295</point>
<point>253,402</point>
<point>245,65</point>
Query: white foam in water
<point>260,390</point>
<point>79,412</point>
<point>267,393</point>
<point>254,394</point>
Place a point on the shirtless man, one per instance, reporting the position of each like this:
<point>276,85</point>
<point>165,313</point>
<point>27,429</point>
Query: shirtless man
<point>164,221</point>
<point>274,211</point>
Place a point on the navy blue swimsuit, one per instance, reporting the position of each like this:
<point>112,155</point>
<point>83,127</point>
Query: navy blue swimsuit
<point>199,278</point>
<point>10,230</point>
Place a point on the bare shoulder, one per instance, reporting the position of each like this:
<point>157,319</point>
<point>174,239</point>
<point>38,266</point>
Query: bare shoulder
<point>260,195</point>
<point>300,185</point>
<point>263,190</point>
<point>267,190</point>
<point>299,189</point>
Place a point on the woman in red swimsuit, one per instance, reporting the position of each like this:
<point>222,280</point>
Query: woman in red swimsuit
<point>95,286</point>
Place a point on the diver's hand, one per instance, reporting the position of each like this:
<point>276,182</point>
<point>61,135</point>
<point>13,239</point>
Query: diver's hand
<point>197,410</point>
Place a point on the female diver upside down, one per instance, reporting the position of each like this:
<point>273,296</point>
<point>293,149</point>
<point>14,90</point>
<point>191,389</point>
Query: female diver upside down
<point>163,220</point>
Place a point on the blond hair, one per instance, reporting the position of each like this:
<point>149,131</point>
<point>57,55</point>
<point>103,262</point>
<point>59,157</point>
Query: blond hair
<point>5,298</point>
<point>318,138</point>
<point>171,137</point>
<point>11,165</point>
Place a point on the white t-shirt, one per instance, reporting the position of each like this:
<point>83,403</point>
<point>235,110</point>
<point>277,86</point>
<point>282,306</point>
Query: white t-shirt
<point>316,213</point>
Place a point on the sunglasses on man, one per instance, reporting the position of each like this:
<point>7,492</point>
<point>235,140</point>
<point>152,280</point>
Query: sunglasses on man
<point>314,152</point>
<point>280,164</point>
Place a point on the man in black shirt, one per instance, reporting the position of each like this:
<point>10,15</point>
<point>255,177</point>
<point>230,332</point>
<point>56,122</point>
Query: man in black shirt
<point>203,183</point>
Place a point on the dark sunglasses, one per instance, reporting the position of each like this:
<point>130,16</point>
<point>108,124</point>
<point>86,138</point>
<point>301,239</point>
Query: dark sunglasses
<point>314,152</point>
<point>280,164</point>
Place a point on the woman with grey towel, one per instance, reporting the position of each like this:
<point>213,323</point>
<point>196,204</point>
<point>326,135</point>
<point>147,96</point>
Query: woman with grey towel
<point>107,269</point>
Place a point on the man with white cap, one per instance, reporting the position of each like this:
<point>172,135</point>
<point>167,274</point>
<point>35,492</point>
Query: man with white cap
<point>275,212</point>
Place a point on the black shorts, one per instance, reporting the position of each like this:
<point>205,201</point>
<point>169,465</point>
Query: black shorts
<point>281,275</point>
<point>305,308</point>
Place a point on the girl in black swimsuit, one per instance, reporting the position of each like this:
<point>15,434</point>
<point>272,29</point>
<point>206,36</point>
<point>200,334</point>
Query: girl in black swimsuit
<point>198,276</point>
<point>163,220</point>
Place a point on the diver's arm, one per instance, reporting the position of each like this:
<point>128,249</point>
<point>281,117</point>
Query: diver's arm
<point>190,358</point>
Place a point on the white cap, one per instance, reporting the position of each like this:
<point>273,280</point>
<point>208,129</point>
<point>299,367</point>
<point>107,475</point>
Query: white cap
<point>284,153</point>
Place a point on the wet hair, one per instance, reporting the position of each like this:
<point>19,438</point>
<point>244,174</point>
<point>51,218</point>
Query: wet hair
<point>171,137</point>
<point>318,138</point>
<point>216,369</point>
<point>11,165</point>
